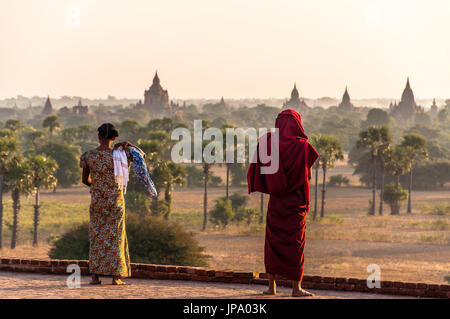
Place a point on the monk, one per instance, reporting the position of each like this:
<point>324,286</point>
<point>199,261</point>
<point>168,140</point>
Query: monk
<point>288,188</point>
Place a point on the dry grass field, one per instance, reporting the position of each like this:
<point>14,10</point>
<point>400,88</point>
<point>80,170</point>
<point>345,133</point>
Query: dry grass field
<point>412,247</point>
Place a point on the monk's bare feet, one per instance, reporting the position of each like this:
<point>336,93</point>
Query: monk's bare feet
<point>301,293</point>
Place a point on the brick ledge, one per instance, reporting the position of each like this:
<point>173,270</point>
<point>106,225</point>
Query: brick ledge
<point>149,271</point>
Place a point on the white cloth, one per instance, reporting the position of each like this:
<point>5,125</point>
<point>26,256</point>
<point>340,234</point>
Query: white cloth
<point>121,168</point>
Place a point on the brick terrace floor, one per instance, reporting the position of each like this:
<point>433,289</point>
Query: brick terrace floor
<point>37,286</point>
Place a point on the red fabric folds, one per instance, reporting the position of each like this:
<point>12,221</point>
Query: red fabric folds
<point>289,195</point>
<point>296,157</point>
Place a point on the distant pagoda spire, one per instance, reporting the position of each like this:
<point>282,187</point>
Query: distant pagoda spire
<point>295,102</point>
<point>346,103</point>
<point>48,108</point>
<point>294,94</point>
<point>156,78</point>
<point>407,106</point>
<point>434,108</point>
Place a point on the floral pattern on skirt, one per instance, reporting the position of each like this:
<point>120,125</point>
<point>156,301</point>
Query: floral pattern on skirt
<point>108,253</point>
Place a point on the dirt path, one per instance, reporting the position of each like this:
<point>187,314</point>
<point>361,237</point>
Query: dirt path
<point>36,286</point>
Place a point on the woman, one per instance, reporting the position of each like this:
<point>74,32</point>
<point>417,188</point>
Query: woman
<point>289,201</point>
<point>108,251</point>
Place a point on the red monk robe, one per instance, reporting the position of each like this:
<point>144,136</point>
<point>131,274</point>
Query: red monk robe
<point>289,196</point>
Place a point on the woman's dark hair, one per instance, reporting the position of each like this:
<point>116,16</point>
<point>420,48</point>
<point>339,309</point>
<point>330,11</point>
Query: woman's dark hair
<point>107,131</point>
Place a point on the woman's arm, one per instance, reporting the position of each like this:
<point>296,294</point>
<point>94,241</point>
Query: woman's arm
<point>128,144</point>
<point>86,180</point>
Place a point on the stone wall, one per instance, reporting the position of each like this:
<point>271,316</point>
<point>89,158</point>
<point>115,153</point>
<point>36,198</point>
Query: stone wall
<point>147,271</point>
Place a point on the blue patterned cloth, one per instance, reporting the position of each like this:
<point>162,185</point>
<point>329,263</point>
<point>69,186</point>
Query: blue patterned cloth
<point>140,169</point>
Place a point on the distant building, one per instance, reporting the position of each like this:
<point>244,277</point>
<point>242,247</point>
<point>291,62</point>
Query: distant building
<point>80,109</point>
<point>433,108</point>
<point>407,107</point>
<point>346,104</point>
<point>295,102</point>
<point>156,99</point>
<point>48,108</point>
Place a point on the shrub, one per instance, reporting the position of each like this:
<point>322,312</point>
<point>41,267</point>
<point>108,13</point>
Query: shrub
<point>222,213</point>
<point>394,197</point>
<point>138,203</point>
<point>238,201</point>
<point>72,245</point>
<point>245,214</point>
<point>338,180</point>
<point>159,207</point>
<point>214,181</point>
<point>194,177</point>
<point>153,241</point>
<point>441,209</point>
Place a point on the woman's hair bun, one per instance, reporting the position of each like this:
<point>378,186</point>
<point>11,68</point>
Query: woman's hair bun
<point>107,131</point>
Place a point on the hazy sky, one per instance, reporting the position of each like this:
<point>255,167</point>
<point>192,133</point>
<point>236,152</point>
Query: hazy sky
<point>234,48</point>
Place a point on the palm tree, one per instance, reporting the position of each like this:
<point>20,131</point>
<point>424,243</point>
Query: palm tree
<point>36,138</point>
<point>225,150</point>
<point>416,148</point>
<point>8,147</point>
<point>206,169</point>
<point>375,139</point>
<point>168,174</point>
<point>42,175</point>
<point>18,181</point>
<point>330,150</point>
<point>314,141</point>
<point>397,164</point>
<point>384,158</point>
<point>52,123</point>
<point>13,125</point>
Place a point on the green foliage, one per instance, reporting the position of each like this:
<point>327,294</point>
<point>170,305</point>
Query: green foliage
<point>52,123</point>
<point>441,210</point>
<point>394,196</point>
<point>68,159</point>
<point>13,125</point>
<point>238,173</point>
<point>222,213</point>
<point>338,180</point>
<point>329,149</point>
<point>238,201</point>
<point>159,207</point>
<point>153,241</point>
<point>431,175</point>
<point>8,147</point>
<point>74,244</point>
<point>195,177</point>
<point>18,177</point>
<point>376,117</point>
<point>247,215</point>
<point>375,139</point>
<point>415,146</point>
<point>138,203</point>
<point>42,171</point>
